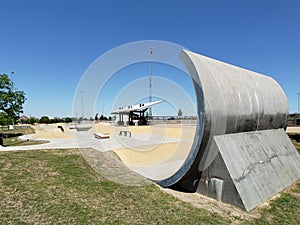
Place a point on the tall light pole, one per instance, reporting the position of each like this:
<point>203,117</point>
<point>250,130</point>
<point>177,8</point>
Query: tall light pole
<point>82,104</point>
<point>12,72</point>
<point>150,82</point>
<point>298,103</point>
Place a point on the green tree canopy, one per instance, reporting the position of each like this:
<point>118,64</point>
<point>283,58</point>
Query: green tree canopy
<point>11,100</point>
<point>4,120</point>
<point>44,119</point>
<point>179,112</point>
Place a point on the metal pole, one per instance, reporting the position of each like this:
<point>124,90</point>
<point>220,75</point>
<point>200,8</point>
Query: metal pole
<point>12,72</point>
<point>298,103</point>
<point>82,105</point>
<point>150,82</point>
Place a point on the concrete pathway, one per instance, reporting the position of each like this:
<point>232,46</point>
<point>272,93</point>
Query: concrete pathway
<point>86,139</point>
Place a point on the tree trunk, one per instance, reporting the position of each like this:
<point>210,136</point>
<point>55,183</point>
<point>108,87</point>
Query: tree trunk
<point>1,140</point>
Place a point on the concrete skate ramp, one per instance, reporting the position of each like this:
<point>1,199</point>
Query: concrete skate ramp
<point>229,100</point>
<point>52,131</point>
<point>155,151</point>
<point>237,153</point>
<point>161,152</point>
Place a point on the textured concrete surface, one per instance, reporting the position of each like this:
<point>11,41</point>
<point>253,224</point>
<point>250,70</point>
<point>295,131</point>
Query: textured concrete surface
<point>86,139</point>
<point>250,168</point>
<point>229,100</point>
<point>155,152</point>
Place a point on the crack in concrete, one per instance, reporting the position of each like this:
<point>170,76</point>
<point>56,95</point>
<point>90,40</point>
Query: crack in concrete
<point>251,167</point>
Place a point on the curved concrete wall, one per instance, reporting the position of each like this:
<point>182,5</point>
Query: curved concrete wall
<point>229,100</point>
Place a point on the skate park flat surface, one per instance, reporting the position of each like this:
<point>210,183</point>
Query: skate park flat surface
<point>156,152</point>
<point>153,151</point>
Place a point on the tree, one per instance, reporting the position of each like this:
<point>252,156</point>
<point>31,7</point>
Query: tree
<point>68,120</point>
<point>96,117</point>
<point>4,120</point>
<point>103,117</point>
<point>179,112</point>
<point>33,120</point>
<point>11,100</point>
<point>44,119</point>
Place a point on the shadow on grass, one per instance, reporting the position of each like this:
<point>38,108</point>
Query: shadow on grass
<point>12,139</point>
<point>15,141</point>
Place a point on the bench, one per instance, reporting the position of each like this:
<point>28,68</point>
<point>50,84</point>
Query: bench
<point>125,133</point>
<point>101,136</point>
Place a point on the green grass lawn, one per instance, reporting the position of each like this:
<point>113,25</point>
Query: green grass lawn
<point>19,131</point>
<point>295,138</point>
<point>284,210</point>
<point>11,137</point>
<point>15,141</point>
<point>59,187</point>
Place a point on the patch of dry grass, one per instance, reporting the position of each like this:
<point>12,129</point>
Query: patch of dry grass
<point>15,141</point>
<point>58,186</point>
<point>11,137</point>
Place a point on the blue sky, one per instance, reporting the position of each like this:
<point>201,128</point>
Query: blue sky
<point>50,44</point>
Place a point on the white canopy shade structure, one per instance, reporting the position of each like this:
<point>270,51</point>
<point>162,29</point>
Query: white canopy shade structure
<point>130,110</point>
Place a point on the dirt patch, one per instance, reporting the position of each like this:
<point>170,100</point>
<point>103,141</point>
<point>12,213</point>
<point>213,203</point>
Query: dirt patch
<point>109,166</point>
<point>236,215</point>
<point>71,151</point>
<point>230,212</point>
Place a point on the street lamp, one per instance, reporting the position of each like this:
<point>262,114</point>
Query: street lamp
<point>12,72</point>
<point>298,103</point>
<point>82,104</point>
<point>150,82</point>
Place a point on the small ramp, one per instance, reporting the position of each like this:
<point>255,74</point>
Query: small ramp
<point>250,167</point>
<point>101,136</point>
<point>108,165</point>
